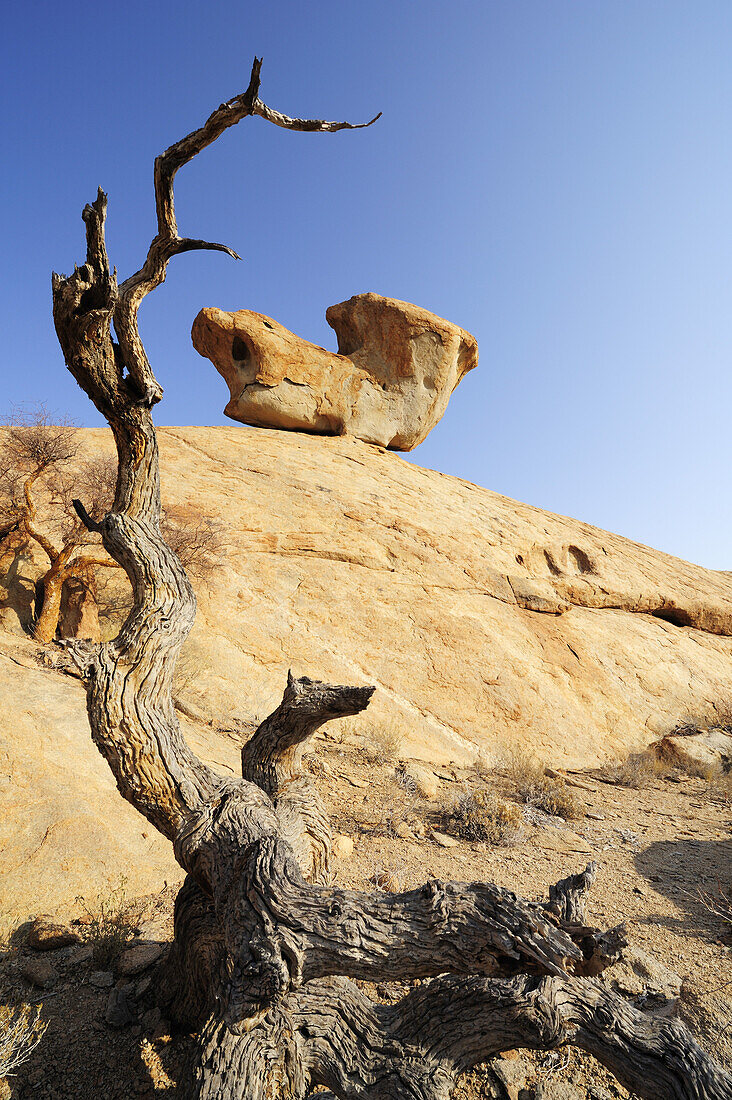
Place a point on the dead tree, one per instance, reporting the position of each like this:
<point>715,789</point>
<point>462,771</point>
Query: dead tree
<point>264,949</point>
<point>35,454</point>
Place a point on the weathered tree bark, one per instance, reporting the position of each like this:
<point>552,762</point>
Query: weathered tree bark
<point>262,944</point>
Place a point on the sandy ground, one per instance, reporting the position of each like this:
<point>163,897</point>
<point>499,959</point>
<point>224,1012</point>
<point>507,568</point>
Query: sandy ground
<point>657,847</point>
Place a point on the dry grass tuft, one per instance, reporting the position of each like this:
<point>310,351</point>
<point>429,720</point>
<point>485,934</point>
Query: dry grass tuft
<point>638,770</point>
<point>21,1030</point>
<point>534,787</point>
<point>383,744</point>
<point>481,815</point>
<point>111,921</point>
<point>482,765</point>
<point>520,766</point>
<point>388,877</point>
<point>720,784</point>
<point>719,905</point>
<point>554,797</point>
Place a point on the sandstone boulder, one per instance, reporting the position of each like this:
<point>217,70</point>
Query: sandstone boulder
<point>389,384</point>
<point>698,751</point>
<point>423,780</point>
<point>101,979</point>
<point>444,840</point>
<point>638,973</point>
<point>39,972</point>
<point>342,847</point>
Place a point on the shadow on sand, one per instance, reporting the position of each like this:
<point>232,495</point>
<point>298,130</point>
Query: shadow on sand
<point>684,869</point>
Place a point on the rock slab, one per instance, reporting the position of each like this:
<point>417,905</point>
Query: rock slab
<point>389,384</point>
<point>138,958</point>
<point>45,934</point>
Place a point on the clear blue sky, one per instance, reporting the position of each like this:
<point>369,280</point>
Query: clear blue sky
<point>553,175</point>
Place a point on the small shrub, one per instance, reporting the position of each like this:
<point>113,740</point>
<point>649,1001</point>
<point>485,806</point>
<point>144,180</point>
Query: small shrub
<point>637,771</point>
<point>480,815</point>
<point>521,768</point>
<point>399,807</point>
<point>197,540</point>
<point>393,814</point>
<point>111,922</point>
<point>388,877</point>
<point>406,782</point>
<point>555,797</point>
<point>383,744</point>
<point>534,787</point>
<point>482,765</point>
<point>21,1030</point>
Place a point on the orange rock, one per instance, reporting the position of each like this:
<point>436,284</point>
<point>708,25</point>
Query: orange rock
<point>46,934</point>
<point>389,384</point>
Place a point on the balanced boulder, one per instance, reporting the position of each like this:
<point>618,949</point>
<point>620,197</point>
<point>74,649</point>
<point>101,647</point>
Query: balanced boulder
<point>389,384</point>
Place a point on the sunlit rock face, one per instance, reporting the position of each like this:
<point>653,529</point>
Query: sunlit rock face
<point>389,384</point>
<point>487,626</point>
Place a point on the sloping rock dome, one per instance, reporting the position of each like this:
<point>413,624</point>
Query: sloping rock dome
<point>484,623</point>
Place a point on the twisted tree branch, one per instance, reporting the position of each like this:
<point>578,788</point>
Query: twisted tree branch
<point>167,243</point>
<point>415,1049</point>
<point>330,1033</point>
<point>273,756</point>
<point>89,523</point>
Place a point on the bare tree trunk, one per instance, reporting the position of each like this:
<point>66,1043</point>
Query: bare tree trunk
<point>263,946</point>
<point>79,612</point>
<point>68,603</point>
<point>46,623</point>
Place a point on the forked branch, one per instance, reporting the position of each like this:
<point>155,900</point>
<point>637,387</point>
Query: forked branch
<point>168,243</point>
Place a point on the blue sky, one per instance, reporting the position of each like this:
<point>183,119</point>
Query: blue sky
<point>553,175</point>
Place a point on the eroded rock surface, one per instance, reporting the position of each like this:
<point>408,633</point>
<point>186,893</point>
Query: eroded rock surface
<point>698,750</point>
<point>389,384</point>
<point>484,623</point>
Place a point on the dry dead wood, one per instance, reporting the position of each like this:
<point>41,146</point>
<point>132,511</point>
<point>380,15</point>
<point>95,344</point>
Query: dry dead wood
<point>263,946</point>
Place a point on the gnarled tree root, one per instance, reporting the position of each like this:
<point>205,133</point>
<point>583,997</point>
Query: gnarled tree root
<point>329,1033</point>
